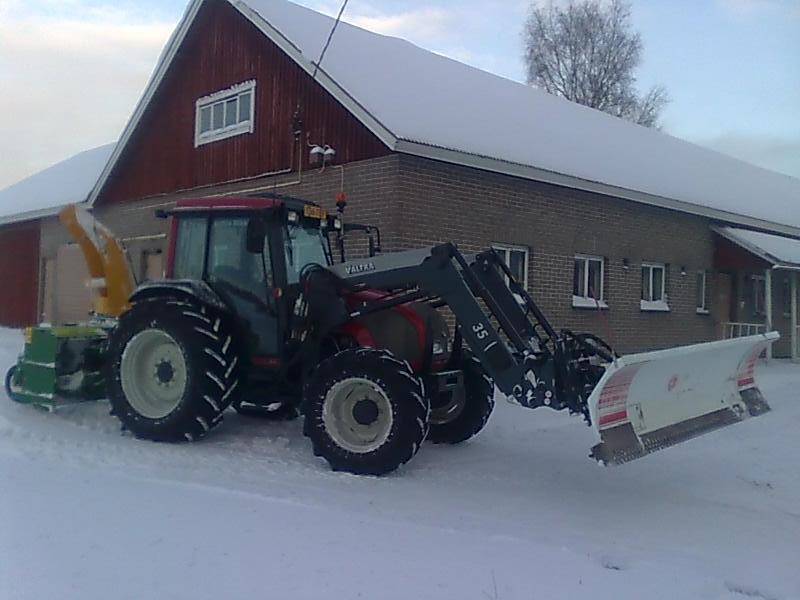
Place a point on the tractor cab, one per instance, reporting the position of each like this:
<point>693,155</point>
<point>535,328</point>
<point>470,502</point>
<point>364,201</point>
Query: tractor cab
<point>250,252</point>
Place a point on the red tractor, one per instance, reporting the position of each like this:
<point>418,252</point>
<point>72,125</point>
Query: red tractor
<point>257,314</point>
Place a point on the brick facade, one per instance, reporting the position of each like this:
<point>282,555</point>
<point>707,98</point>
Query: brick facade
<point>419,202</point>
<point>476,209</point>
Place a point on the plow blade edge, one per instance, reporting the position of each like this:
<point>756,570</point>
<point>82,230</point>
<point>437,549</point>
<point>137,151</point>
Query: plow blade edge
<point>646,402</point>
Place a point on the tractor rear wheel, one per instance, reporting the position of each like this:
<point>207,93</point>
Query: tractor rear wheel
<point>365,412</point>
<point>173,369</point>
<point>462,416</point>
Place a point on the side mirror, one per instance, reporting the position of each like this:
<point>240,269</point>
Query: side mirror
<point>256,235</point>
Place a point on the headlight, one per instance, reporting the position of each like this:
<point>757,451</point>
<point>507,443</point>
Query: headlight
<point>439,347</point>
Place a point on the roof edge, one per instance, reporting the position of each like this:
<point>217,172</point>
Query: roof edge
<point>744,244</point>
<point>174,44</point>
<point>162,66</point>
<point>496,165</point>
<point>31,215</point>
<point>326,81</point>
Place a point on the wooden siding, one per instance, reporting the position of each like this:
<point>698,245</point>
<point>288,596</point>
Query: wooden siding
<point>730,257</point>
<point>19,268</point>
<point>222,49</point>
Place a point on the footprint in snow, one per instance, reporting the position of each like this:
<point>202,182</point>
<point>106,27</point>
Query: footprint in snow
<point>613,564</point>
<point>746,591</point>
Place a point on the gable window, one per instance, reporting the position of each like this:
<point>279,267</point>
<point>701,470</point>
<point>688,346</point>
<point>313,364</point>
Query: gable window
<point>225,114</point>
<point>516,257</point>
<point>702,293</point>
<point>588,288</point>
<point>654,287</point>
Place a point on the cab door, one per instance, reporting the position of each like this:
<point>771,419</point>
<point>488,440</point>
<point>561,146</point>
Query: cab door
<point>246,281</point>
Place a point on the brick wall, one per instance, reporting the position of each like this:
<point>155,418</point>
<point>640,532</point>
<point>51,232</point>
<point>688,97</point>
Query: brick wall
<point>419,202</point>
<point>441,202</point>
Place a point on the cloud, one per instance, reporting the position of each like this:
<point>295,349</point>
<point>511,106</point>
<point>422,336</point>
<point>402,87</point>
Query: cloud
<point>777,153</point>
<point>72,74</point>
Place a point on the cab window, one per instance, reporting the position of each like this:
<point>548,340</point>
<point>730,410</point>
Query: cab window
<point>304,246</point>
<point>190,248</point>
<point>231,263</point>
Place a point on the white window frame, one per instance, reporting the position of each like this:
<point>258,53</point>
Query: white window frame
<point>505,251</point>
<point>241,127</point>
<point>703,309</point>
<point>656,304</point>
<point>759,283</point>
<point>587,301</point>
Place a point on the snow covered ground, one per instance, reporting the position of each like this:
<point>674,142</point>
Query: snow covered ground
<point>520,512</point>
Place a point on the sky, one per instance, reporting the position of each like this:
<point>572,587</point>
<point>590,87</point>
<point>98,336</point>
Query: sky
<point>71,71</point>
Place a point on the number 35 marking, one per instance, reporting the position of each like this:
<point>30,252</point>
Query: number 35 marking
<point>480,331</point>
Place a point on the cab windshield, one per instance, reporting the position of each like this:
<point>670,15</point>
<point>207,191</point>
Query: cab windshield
<point>304,246</point>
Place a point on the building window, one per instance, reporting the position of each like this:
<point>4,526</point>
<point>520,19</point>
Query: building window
<point>759,294</point>
<point>654,287</point>
<point>588,288</point>
<point>516,257</point>
<point>225,114</point>
<point>702,293</point>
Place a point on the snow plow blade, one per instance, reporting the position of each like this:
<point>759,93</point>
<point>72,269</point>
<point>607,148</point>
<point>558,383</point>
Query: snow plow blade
<point>646,402</point>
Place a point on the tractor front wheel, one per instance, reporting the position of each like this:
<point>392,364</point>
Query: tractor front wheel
<point>173,369</point>
<point>464,413</point>
<point>365,412</point>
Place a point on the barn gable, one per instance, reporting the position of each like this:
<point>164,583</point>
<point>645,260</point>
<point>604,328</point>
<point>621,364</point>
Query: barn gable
<point>221,49</point>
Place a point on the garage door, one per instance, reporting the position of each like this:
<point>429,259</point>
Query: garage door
<point>72,298</point>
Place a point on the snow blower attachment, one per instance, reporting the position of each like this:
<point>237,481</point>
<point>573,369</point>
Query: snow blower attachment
<point>60,365</point>
<point>63,365</point>
<point>259,318</point>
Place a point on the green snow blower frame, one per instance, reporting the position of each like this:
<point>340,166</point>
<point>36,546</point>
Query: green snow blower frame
<point>256,314</point>
<point>60,365</point>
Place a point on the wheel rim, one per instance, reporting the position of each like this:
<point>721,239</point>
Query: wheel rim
<point>357,415</point>
<point>451,410</point>
<point>153,373</point>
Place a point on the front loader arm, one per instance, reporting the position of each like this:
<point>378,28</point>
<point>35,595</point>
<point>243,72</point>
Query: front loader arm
<point>516,356</point>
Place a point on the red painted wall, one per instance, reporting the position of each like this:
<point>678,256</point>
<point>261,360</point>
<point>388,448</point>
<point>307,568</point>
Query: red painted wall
<point>730,257</point>
<point>19,266</point>
<point>223,49</point>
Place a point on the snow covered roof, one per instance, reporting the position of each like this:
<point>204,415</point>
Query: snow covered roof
<point>422,103</point>
<point>778,250</point>
<point>42,194</point>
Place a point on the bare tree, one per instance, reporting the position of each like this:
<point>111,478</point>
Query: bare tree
<point>587,52</point>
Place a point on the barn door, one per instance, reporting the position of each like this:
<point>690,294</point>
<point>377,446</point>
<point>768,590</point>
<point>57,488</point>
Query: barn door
<point>48,291</point>
<point>73,297</point>
<point>723,299</point>
<point>153,266</point>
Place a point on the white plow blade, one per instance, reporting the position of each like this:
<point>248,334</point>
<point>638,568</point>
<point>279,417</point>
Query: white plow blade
<point>645,402</point>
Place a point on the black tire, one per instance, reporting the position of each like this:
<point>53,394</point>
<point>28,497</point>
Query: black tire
<point>9,381</point>
<point>211,361</point>
<point>478,404</point>
<point>384,377</point>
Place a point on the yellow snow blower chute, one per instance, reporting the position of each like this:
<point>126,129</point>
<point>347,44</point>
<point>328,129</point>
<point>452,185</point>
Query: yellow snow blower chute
<point>112,280</point>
